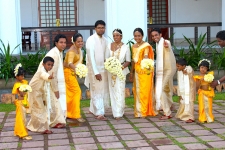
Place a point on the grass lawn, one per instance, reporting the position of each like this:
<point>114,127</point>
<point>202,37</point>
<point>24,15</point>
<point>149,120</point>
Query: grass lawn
<point>86,103</point>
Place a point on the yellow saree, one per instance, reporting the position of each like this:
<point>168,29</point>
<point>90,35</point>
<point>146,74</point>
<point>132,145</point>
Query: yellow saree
<point>143,83</point>
<point>73,91</point>
<point>205,100</point>
<point>20,121</point>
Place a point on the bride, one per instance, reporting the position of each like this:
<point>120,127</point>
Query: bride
<point>117,86</point>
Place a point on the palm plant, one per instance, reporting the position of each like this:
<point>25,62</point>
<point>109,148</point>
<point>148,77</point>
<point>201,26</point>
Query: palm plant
<point>7,61</point>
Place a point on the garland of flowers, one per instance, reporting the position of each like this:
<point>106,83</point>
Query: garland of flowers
<point>17,68</point>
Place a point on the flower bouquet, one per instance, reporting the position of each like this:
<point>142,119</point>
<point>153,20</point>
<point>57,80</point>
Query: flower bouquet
<point>81,70</point>
<point>147,64</point>
<point>25,88</point>
<point>113,65</point>
<point>208,78</point>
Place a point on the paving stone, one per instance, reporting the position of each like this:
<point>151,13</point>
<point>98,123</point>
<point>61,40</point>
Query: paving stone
<point>149,130</point>
<point>86,147</point>
<point>178,134</point>
<point>221,111</point>
<point>193,127</point>
<point>139,143</point>
<point>126,131</point>
<point>164,124</point>
<point>5,129</point>
<point>1,119</point>
<point>79,129</point>
<point>183,123</point>
<point>108,139</point>
<point>66,147</point>
<point>38,137</point>
<point>221,119</point>
<point>155,135</point>
<point>8,145</point>
<point>142,148</point>
<point>88,140</point>
<point>58,142</point>
<point>9,139</point>
<point>58,136</point>
<point>218,115</point>
<point>214,125</point>
<point>129,116</point>
<point>9,124</point>
<point>186,140</point>
<point>103,127</point>
<point>113,145</point>
<point>81,134</point>
<point>118,122</point>
<point>219,131</point>
<point>39,148</point>
<point>147,125</point>
<point>195,146</point>
<point>138,120</point>
<point>131,137</point>
<point>58,130</point>
<point>201,132</point>
<point>219,144</point>
<point>97,123</point>
<point>91,119</point>
<point>104,133</point>
<point>170,128</point>
<point>33,144</point>
<point>9,133</point>
<point>167,147</point>
<point>2,114</point>
<point>210,138</point>
<point>122,126</point>
<point>10,120</point>
<point>161,141</point>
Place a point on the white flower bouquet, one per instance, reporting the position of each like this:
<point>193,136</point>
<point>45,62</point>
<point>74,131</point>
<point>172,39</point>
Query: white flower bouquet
<point>113,65</point>
<point>208,77</point>
<point>25,88</point>
<point>81,70</point>
<point>147,64</point>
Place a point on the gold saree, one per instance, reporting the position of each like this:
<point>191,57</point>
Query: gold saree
<point>205,100</point>
<point>20,121</point>
<point>73,91</point>
<point>143,83</point>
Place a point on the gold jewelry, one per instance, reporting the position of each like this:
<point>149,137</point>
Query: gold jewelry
<point>140,43</point>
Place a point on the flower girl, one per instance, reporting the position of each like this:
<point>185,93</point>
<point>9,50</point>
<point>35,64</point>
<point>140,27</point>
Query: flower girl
<point>205,92</point>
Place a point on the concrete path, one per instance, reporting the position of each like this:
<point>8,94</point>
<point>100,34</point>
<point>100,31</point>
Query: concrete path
<point>128,133</point>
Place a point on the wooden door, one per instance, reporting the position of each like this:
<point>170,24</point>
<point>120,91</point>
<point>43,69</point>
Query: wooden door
<point>158,14</point>
<point>53,13</point>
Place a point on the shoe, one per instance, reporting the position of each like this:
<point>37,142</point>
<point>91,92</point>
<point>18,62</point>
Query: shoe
<point>165,117</point>
<point>47,132</point>
<point>102,118</point>
<point>27,137</point>
<point>59,125</point>
<point>81,120</point>
<point>189,121</point>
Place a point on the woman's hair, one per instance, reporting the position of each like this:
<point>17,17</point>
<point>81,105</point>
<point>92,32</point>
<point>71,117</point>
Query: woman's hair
<point>221,35</point>
<point>118,31</point>
<point>182,62</point>
<point>47,58</point>
<point>21,71</point>
<point>59,36</point>
<point>204,63</point>
<point>139,30</point>
<point>156,30</point>
<point>99,22</point>
<point>75,36</point>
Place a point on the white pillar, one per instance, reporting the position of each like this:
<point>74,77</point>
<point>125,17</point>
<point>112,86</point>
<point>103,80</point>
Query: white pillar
<point>10,24</point>
<point>223,14</point>
<point>126,15</point>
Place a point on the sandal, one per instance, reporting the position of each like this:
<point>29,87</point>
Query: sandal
<point>47,132</point>
<point>165,117</point>
<point>102,118</point>
<point>27,137</point>
<point>59,125</point>
<point>118,118</point>
<point>80,120</point>
<point>189,121</point>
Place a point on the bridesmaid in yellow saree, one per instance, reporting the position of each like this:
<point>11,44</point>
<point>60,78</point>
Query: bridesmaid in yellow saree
<point>143,81</point>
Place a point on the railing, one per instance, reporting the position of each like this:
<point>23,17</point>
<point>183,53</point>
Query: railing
<point>171,26</point>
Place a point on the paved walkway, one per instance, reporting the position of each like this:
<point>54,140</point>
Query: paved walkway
<point>128,133</point>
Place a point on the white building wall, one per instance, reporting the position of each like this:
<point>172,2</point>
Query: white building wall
<point>191,11</point>
<point>223,14</point>
<point>89,11</point>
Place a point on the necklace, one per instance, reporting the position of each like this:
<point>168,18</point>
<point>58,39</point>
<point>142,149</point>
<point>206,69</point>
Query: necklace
<point>118,45</point>
<point>140,43</point>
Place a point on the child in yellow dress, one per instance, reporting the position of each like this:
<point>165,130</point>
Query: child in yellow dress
<point>205,92</point>
<point>21,104</point>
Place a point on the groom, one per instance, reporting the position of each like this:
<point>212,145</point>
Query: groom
<point>96,46</point>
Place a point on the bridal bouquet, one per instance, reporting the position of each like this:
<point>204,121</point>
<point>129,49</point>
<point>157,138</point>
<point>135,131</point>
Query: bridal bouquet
<point>113,65</point>
<point>147,64</point>
<point>81,70</point>
<point>25,88</point>
<point>208,77</point>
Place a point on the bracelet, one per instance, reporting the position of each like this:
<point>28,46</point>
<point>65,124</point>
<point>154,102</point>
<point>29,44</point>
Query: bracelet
<point>218,81</point>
